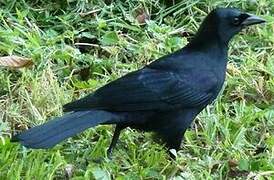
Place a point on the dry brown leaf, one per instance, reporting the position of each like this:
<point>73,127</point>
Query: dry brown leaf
<point>141,16</point>
<point>232,163</point>
<point>15,61</point>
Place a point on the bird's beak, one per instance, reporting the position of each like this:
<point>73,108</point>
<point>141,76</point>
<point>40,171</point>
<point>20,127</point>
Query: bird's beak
<point>252,19</point>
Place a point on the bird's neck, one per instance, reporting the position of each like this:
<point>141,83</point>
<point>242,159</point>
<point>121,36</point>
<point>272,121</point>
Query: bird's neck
<point>209,36</point>
<point>207,40</point>
<point>210,44</point>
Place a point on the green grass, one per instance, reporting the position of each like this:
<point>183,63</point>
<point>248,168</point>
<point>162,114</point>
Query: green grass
<point>232,138</point>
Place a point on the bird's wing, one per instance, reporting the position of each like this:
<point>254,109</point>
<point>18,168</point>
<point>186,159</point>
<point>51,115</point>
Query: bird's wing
<point>149,89</point>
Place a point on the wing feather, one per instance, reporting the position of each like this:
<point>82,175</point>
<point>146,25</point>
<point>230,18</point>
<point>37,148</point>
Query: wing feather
<point>147,89</point>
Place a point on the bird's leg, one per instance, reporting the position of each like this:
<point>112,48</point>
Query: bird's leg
<point>114,140</point>
<point>173,141</point>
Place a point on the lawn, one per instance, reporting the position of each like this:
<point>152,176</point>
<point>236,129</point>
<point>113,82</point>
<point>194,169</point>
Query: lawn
<point>78,46</point>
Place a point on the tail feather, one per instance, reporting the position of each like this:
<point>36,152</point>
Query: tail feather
<point>51,133</point>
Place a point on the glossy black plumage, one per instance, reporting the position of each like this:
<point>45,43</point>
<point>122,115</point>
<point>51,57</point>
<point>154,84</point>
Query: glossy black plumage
<point>164,96</point>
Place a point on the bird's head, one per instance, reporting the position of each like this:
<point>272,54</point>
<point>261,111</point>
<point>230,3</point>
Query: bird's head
<point>223,23</point>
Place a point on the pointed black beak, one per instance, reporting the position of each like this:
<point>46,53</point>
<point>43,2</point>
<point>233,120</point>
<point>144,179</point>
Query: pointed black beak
<point>252,19</point>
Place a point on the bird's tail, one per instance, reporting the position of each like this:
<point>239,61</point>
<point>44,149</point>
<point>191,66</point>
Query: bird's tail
<point>52,132</point>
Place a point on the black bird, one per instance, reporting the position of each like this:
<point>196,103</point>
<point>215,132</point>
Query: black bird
<point>163,97</point>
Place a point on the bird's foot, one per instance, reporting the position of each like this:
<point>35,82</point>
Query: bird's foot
<point>172,154</point>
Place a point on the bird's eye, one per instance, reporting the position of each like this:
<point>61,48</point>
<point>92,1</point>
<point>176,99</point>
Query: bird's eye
<point>236,21</point>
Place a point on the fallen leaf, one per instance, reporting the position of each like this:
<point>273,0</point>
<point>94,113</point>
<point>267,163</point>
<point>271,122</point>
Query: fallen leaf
<point>15,62</point>
<point>141,16</point>
<point>232,163</point>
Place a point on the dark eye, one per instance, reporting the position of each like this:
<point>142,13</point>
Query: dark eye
<point>236,21</point>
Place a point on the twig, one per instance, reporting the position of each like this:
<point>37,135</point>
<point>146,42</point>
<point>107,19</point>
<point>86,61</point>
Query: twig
<point>86,44</point>
<point>89,12</point>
